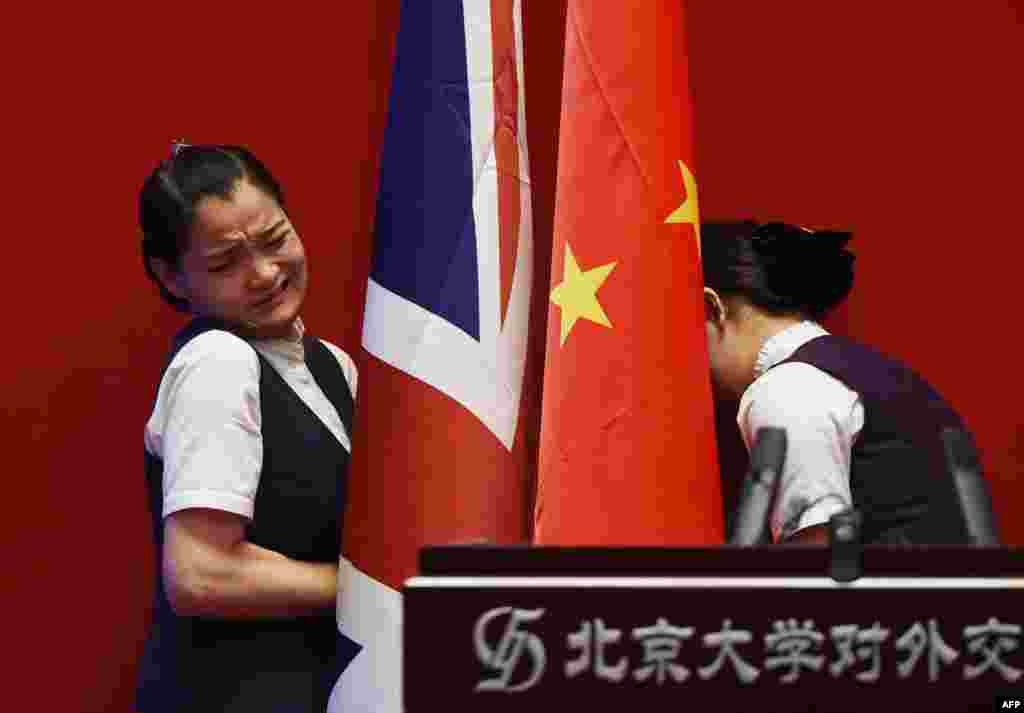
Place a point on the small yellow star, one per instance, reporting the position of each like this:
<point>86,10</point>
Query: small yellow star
<point>687,212</point>
<point>577,294</point>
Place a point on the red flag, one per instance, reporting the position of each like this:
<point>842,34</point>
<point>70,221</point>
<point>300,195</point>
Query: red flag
<point>628,452</point>
<point>438,454</point>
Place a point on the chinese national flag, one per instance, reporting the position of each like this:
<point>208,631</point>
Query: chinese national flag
<point>628,453</point>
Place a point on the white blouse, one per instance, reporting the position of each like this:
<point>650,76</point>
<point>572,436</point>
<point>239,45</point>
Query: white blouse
<point>205,425</point>
<point>822,418</point>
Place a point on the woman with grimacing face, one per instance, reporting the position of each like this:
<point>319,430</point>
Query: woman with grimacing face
<point>244,264</point>
<point>863,430</point>
<point>245,448</point>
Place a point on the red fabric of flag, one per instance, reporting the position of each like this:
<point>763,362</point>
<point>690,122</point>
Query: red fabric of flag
<point>628,453</point>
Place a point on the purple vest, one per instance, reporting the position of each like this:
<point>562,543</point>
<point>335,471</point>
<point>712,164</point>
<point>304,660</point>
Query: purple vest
<point>899,477</point>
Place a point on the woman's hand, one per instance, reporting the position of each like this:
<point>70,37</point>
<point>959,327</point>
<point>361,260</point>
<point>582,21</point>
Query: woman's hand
<point>209,569</point>
<point>814,535</point>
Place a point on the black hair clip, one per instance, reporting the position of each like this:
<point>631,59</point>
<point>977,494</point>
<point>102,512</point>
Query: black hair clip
<point>770,233</point>
<point>778,237</point>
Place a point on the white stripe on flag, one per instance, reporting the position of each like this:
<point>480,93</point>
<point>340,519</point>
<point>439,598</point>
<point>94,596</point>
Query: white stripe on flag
<point>432,349</point>
<point>476,17</point>
<point>369,613</point>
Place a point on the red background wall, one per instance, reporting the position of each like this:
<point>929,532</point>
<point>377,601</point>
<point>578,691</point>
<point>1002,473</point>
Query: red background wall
<point>900,121</point>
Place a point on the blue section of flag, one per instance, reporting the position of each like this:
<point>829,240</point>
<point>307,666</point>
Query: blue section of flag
<point>346,649</point>
<point>425,235</point>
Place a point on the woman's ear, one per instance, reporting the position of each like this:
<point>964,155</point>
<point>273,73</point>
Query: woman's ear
<point>169,277</point>
<point>714,307</point>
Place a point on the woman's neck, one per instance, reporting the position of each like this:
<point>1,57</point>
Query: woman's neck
<point>760,327</point>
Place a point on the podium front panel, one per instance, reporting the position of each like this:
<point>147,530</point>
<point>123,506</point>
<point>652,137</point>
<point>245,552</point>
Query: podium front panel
<point>724,643</point>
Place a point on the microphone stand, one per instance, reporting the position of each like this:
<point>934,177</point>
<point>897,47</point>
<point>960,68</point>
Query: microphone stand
<point>971,489</point>
<point>767,458</point>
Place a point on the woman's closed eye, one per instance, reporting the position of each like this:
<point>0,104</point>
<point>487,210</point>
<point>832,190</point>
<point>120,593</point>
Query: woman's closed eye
<point>220,266</point>
<point>277,242</point>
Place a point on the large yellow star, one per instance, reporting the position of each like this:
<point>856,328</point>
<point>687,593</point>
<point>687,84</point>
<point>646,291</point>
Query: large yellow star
<point>577,294</point>
<point>687,212</point>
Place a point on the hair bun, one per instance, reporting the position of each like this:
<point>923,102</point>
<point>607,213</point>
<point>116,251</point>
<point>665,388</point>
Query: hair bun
<point>806,269</point>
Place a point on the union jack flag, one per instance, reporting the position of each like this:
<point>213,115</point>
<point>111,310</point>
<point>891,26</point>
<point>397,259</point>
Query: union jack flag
<point>436,458</point>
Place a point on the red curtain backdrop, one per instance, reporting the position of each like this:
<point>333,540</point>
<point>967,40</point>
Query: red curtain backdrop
<point>900,124</point>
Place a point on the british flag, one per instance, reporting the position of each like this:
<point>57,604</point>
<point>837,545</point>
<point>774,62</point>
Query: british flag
<point>436,456</point>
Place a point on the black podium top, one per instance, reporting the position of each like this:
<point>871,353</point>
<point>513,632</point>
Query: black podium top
<point>725,561</point>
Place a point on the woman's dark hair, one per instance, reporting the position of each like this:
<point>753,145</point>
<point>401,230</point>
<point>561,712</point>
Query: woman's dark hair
<point>168,200</point>
<point>778,267</point>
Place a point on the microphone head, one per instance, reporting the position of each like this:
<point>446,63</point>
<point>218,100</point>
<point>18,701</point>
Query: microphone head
<point>971,489</point>
<point>960,450</point>
<point>769,451</point>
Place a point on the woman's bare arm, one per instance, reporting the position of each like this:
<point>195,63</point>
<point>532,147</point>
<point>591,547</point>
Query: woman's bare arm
<point>209,569</point>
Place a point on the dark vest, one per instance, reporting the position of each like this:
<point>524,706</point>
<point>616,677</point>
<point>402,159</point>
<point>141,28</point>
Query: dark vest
<point>898,475</point>
<point>204,664</point>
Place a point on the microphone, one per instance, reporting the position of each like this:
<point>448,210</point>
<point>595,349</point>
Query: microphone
<point>767,458</point>
<point>844,538</point>
<point>971,489</point>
